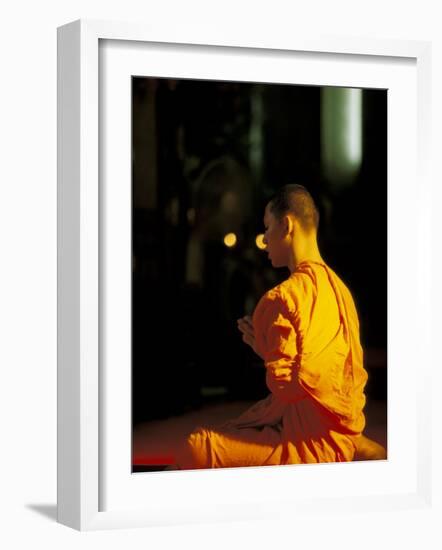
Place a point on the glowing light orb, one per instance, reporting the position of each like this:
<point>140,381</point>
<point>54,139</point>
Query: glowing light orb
<point>259,241</point>
<point>230,240</point>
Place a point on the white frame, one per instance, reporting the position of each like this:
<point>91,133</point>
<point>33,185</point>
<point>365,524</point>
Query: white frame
<point>78,258</point>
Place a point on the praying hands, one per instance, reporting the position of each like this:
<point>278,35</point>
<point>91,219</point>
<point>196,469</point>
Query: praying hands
<point>245,325</point>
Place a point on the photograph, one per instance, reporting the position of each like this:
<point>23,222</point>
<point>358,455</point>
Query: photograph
<point>259,274</point>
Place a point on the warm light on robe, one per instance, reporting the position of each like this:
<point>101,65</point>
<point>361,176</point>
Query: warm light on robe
<point>307,331</point>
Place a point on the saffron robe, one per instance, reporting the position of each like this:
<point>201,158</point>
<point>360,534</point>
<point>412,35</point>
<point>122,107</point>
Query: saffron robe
<point>307,331</point>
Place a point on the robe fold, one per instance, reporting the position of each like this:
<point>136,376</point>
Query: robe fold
<point>307,331</point>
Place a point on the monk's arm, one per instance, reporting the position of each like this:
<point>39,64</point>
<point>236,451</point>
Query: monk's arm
<point>276,343</point>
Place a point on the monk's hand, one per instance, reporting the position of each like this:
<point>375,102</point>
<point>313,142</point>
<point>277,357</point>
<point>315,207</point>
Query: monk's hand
<point>245,325</point>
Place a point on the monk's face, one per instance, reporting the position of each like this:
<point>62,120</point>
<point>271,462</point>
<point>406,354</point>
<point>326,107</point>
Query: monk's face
<point>275,239</point>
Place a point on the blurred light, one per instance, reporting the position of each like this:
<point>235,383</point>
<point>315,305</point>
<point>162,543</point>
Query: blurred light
<point>260,241</point>
<point>256,132</point>
<point>230,240</point>
<point>174,211</point>
<point>229,202</point>
<point>354,127</point>
<point>191,216</point>
<point>341,133</point>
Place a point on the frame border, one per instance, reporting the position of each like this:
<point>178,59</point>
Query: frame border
<point>78,204</point>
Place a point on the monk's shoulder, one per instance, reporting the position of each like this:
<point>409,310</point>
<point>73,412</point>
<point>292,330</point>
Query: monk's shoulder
<point>272,298</point>
<point>271,304</point>
<point>298,289</point>
<point>288,295</point>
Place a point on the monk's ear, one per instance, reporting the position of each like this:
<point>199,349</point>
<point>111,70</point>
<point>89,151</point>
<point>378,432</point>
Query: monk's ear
<point>289,225</point>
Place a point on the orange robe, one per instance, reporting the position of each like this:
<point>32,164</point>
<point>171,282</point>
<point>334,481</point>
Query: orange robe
<point>307,331</point>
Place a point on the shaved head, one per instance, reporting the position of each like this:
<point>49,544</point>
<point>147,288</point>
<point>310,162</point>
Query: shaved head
<point>295,199</point>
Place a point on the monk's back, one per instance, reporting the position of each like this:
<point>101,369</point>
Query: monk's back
<point>329,355</point>
<point>317,316</point>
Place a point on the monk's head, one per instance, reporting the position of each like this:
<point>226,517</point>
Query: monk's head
<point>291,220</point>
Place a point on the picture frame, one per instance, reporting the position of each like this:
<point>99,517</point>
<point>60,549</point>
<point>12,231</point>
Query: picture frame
<point>81,395</point>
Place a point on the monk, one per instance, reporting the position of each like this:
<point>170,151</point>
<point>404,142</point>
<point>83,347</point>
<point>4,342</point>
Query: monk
<point>306,331</point>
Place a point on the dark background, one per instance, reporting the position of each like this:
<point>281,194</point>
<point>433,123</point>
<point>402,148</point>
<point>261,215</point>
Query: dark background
<point>206,157</point>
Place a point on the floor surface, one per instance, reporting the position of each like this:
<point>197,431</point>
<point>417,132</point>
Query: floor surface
<point>154,442</point>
